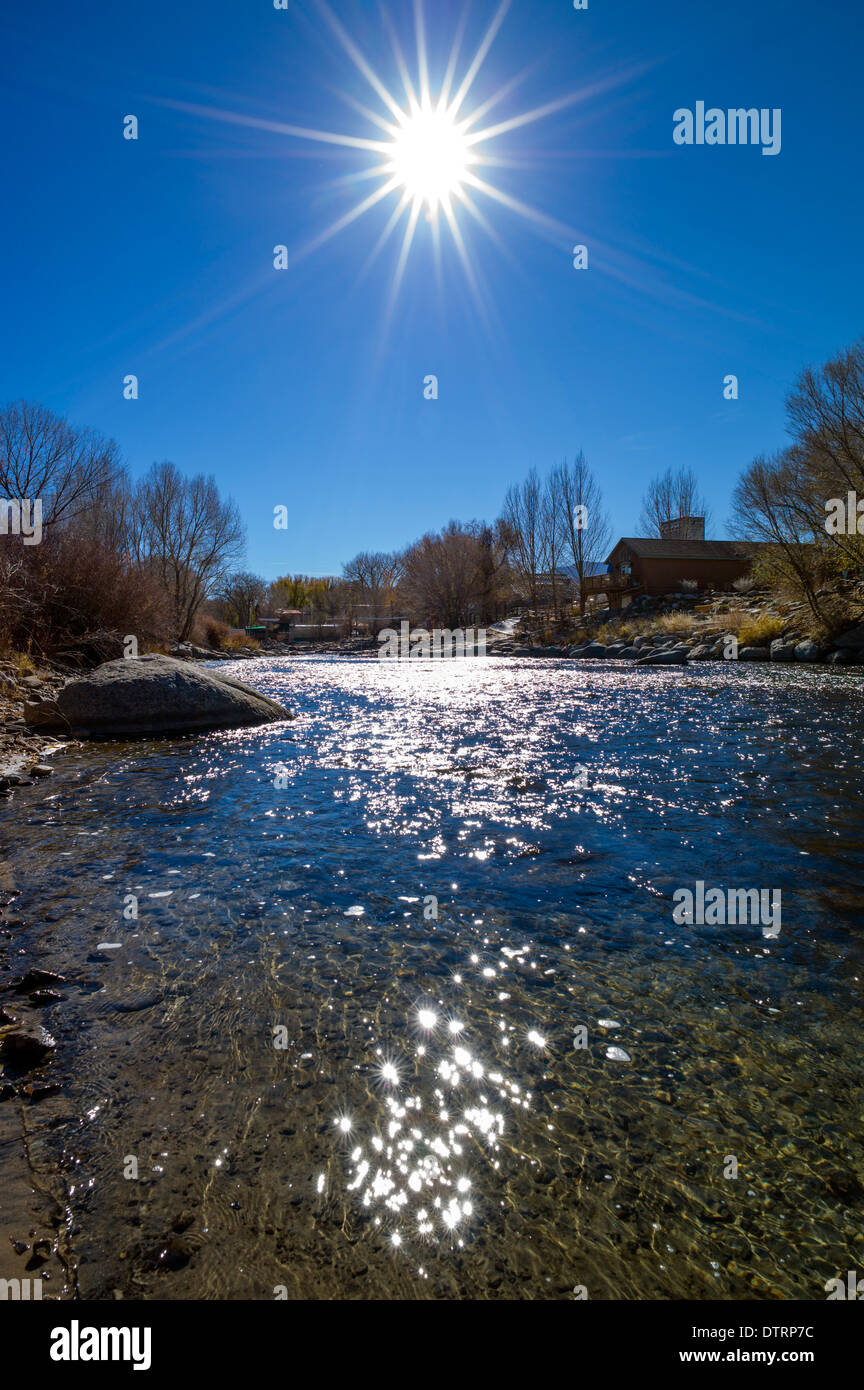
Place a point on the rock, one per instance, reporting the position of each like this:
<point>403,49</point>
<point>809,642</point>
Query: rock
<point>853,638</point>
<point>171,1254</point>
<point>808,650</point>
<point>41,770</point>
<point>26,1047</point>
<point>664,658</point>
<point>754,654</point>
<point>594,649</point>
<point>7,1019</point>
<point>187,651</point>
<point>629,654</point>
<point>782,650</point>
<point>12,779</point>
<point>844,657</point>
<point>39,979</point>
<point>700,653</point>
<point>153,695</point>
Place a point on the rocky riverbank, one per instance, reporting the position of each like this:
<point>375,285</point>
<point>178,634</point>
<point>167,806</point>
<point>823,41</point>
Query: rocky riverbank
<point>147,697</point>
<point>678,629</point>
<point>23,750</point>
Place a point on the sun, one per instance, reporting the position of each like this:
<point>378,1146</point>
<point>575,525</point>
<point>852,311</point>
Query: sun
<point>430,157</point>
<point>429,148</point>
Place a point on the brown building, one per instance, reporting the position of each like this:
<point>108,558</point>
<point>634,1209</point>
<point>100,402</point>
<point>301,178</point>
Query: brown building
<point>645,565</point>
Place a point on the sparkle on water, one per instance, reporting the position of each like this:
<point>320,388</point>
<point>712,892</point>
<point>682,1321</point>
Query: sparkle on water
<point>536,1090</point>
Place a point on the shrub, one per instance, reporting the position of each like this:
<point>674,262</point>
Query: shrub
<point>215,633</point>
<point>761,632</point>
<point>74,586</point>
<point>238,641</point>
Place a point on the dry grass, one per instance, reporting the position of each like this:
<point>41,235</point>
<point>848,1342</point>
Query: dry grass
<point>238,641</point>
<point>761,631</point>
<point>666,625</point>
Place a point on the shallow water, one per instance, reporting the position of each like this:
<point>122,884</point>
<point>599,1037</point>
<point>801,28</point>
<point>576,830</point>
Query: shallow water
<point>432,1122</point>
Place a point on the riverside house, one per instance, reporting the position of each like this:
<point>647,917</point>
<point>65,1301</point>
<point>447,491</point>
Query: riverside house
<point>651,565</point>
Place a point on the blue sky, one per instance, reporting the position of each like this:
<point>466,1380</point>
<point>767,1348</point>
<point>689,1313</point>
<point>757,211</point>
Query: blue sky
<point>294,387</point>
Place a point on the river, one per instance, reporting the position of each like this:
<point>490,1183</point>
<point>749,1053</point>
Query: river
<point>404,1011</point>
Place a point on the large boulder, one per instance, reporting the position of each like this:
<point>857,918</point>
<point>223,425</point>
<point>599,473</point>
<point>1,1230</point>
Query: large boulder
<point>808,650</point>
<point>664,658</point>
<point>853,638</point>
<point>754,654</point>
<point>782,650</point>
<point>153,695</point>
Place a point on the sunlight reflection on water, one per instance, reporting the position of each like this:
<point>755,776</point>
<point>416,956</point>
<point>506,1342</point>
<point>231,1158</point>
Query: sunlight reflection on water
<point>508,1070</point>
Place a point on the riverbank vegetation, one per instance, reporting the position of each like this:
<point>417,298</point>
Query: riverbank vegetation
<point>114,557</point>
<point>791,500</point>
<point>160,558</point>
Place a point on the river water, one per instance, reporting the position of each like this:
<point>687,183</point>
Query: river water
<point>405,1011</point>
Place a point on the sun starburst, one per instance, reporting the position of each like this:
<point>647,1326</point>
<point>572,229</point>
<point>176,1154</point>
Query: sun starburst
<point>430,149</point>
<point>430,156</point>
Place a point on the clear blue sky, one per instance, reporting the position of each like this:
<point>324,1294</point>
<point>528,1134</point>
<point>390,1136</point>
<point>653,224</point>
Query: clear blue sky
<point>155,257</point>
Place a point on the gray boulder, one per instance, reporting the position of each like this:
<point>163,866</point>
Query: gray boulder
<point>781,650</point>
<point>754,654</point>
<point>808,650</point>
<point>853,638</point>
<point>664,658</point>
<point>153,695</point>
<point>596,649</point>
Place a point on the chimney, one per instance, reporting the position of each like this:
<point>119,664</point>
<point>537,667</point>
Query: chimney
<point>683,528</point>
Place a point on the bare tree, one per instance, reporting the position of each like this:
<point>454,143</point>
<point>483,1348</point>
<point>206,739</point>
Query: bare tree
<point>552,537</point>
<point>188,537</point>
<point>772,504</point>
<point>242,593</point>
<point>44,456</point>
<point>669,496</point>
<point>521,523</point>
<point>825,411</point>
<point>585,524</point>
<point>455,576</point>
<point>377,574</point>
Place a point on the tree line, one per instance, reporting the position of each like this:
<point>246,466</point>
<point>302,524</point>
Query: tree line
<point>115,555</point>
<point>150,556</point>
<point>805,501</point>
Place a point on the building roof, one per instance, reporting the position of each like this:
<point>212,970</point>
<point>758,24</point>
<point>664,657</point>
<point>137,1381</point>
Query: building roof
<point>651,548</point>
